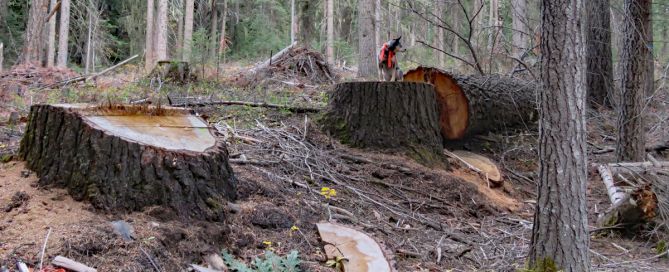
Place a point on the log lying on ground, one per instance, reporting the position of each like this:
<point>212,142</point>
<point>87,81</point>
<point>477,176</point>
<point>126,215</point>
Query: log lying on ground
<point>126,158</point>
<point>387,115</point>
<point>479,103</point>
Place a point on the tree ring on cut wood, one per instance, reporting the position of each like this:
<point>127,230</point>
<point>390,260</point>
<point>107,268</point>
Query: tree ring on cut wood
<point>126,158</point>
<point>400,116</point>
<point>474,104</point>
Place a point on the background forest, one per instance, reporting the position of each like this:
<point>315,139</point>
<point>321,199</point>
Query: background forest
<point>254,29</point>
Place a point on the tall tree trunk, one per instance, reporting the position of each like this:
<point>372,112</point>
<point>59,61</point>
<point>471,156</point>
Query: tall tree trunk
<point>520,27</point>
<point>636,80</point>
<point>180,33</point>
<point>366,46</point>
<point>378,21</point>
<point>89,40</point>
<point>560,238</point>
<point>33,42</point>
<point>188,30</point>
<point>148,48</point>
<point>493,23</point>
<point>2,56</point>
<point>63,34</point>
<point>161,31</point>
<point>213,35</point>
<point>293,22</point>
<point>478,10</point>
<point>599,56</point>
<point>306,27</point>
<point>51,48</point>
<point>440,34</point>
<point>330,39</point>
<point>456,24</point>
<point>224,17</point>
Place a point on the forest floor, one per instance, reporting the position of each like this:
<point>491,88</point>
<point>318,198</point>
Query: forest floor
<point>425,219</point>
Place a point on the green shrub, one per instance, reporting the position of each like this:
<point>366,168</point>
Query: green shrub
<point>270,262</point>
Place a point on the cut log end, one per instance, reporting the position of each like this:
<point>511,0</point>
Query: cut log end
<point>126,158</point>
<point>454,110</point>
<point>400,116</point>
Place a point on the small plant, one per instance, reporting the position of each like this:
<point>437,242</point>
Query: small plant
<point>270,262</point>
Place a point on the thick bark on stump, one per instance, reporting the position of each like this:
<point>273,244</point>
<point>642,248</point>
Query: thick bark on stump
<point>71,147</point>
<point>479,103</point>
<point>388,115</point>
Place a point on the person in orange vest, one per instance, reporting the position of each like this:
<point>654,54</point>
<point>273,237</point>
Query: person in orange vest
<point>388,68</point>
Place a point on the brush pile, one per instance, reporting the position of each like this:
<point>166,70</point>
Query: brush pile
<point>304,63</point>
<point>27,76</point>
<point>294,66</point>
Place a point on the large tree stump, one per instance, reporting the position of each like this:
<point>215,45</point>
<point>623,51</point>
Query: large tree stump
<point>386,115</point>
<point>479,103</point>
<point>126,158</point>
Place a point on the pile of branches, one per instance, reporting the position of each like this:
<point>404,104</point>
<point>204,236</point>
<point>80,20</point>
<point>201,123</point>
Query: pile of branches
<point>31,76</point>
<point>294,66</point>
<point>304,63</point>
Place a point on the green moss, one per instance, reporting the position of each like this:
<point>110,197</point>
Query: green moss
<point>6,158</point>
<point>427,156</point>
<point>661,247</point>
<point>214,204</point>
<point>544,265</point>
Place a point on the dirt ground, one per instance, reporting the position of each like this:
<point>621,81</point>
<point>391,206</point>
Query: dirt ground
<point>412,210</point>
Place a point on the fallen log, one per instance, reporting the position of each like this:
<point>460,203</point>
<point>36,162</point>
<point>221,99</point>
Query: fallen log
<point>479,103</point>
<point>400,116</point>
<point>126,158</point>
<point>194,102</point>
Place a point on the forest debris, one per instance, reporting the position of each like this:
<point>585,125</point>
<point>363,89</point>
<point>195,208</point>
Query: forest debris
<point>176,101</point>
<point>615,194</point>
<point>203,269</point>
<point>361,251</point>
<point>297,65</point>
<point>479,164</point>
<point>70,264</point>
<point>123,229</point>
<point>29,76</point>
<point>215,261</point>
<point>18,199</point>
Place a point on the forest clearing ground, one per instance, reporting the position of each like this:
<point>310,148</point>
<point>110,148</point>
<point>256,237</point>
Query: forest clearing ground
<point>483,229</point>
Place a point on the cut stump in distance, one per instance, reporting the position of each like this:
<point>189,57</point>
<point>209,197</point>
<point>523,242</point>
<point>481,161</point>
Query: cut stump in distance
<point>476,104</point>
<point>400,116</point>
<point>126,158</point>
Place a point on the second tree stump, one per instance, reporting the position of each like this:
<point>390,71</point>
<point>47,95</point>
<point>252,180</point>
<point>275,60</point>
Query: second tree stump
<point>387,115</point>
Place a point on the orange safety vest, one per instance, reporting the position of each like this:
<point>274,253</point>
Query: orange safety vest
<point>389,57</point>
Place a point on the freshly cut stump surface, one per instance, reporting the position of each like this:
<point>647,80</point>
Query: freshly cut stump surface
<point>401,116</point>
<point>126,158</point>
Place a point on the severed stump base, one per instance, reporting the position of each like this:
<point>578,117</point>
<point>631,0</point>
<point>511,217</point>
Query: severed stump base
<point>126,158</point>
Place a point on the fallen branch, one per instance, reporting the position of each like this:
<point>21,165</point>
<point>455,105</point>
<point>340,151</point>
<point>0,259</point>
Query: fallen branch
<point>89,76</point>
<point>273,58</point>
<point>615,194</point>
<point>294,109</point>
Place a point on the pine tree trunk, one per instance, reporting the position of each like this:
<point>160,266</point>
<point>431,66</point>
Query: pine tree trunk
<point>213,35</point>
<point>114,159</point>
<point>33,42</point>
<point>378,20</point>
<point>560,237</point>
<point>51,40</point>
<point>636,80</point>
<point>161,31</point>
<point>178,50</point>
<point>2,56</point>
<point>223,42</point>
<point>89,41</point>
<point>330,27</point>
<point>366,47</point>
<point>440,35</point>
<point>188,30</point>
<point>149,59</point>
<point>520,27</point>
<point>599,56</point>
<point>293,22</point>
<point>63,34</point>
<point>387,115</point>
